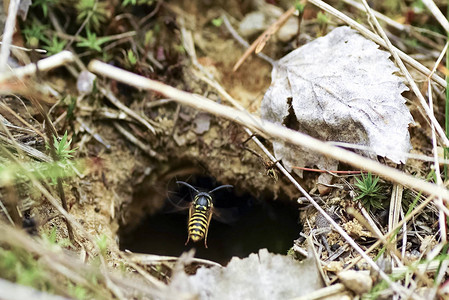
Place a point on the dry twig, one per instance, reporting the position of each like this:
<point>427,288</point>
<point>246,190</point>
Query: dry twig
<point>260,42</point>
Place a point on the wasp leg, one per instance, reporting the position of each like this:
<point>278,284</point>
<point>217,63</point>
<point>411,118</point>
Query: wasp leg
<point>247,140</point>
<point>188,228</point>
<point>209,217</point>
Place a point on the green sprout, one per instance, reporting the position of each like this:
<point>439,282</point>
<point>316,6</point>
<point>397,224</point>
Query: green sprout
<point>35,33</point>
<point>55,46</point>
<point>132,59</point>
<point>369,191</point>
<point>78,292</point>
<point>137,2</point>
<point>20,266</point>
<point>299,6</point>
<point>52,239</point>
<point>44,4</point>
<point>102,243</point>
<point>62,148</point>
<point>128,2</point>
<point>217,22</point>
<point>322,18</point>
<point>93,11</point>
<point>92,41</point>
<point>418,6</point>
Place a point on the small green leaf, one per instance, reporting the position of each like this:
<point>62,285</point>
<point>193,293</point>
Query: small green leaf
<point>217,22</point>
<point>322,18</point>
<point>92,41</point>
<point>132,59</point>
<point>102,243</point>
<point>299,6</point>
<point>128,2</point>
<point>55,46</point>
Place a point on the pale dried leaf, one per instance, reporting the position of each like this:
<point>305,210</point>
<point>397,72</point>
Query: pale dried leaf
<point>259,276</point>
<point>340,87</point>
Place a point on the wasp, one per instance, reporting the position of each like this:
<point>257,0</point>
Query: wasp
<point>200,213</point>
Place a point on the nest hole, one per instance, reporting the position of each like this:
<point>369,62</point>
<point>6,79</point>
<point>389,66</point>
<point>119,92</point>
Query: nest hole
<point>242,224</point>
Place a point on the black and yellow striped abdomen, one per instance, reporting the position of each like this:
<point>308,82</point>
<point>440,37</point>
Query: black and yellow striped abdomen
<point>198,224</point>
<point>199,217</point>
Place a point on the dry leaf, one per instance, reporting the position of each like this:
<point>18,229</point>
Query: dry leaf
<point>340,87</point>
<point>259,276</point>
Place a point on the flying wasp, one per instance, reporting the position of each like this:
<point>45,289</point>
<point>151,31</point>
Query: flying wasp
<point>200,213</point>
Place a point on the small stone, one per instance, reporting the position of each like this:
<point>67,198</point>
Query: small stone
<point>202,123</point>
<point>289,30</point>
<point>356,281</point>
<point>85,82</point>
<point>252,23</point>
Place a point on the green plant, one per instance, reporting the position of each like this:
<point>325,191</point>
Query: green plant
<point>34,33</point>
<point>369,191</point>
<point>131,58</point>
<point>137,2</point>
<point>102,243</point>
<point>53,240</point>
<point>322,19</point>
<point>44,4</point>
<point>128,2</point>
<point>78,292</point>
<point>92,41</point>
<point>217,22</point>
<point>62,147</point>
<point>299,6</point>
<point>392,6</point>
<point>20,266</point>
<point>418,6</point>
<point>55,46</point>
<point>93,12</point>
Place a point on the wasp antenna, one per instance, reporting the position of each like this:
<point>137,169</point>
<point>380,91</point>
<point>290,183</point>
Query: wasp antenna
<point>187,185</point>
<point>221,187</point>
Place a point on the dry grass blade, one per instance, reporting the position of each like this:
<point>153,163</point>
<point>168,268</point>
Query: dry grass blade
<point>27,149</point>
<point>384,18</point>
<point>238,38</point>
<point>273,29</point>
<point>130,137</point>
<point>270,129</point>
<point>149,259</point>
<point>8,33</point>
<point>442,217</point>
<point>395,209</point>
<point>9,110</point>
<point>42,51</point>
<point>125,109</point>
<point>437,14</point>
<point>153,281</point>
<point>45,64</point>
<point>260,42</point>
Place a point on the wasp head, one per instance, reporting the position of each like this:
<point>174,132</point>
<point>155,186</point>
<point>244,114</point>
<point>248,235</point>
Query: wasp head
<point>203,199</point>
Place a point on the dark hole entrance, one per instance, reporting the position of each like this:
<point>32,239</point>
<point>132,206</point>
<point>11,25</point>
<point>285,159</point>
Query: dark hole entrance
<point>243,225</point>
